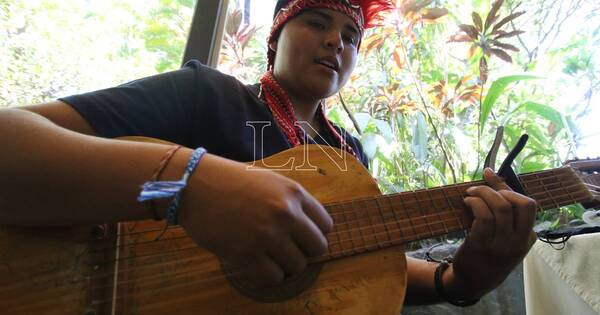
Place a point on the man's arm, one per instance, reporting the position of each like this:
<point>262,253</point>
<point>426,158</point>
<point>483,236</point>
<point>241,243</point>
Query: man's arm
<point>63,115</point>
<point>500,237</point>
<point>56,176</point>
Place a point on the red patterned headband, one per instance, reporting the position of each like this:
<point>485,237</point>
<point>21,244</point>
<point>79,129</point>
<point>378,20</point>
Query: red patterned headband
<point>365,13</point>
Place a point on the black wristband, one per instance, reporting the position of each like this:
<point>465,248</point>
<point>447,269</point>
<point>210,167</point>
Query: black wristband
<point>439,286</point>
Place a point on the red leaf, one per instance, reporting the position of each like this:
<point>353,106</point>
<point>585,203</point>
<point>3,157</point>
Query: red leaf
<point>433,13</point>
<point>507,19</point>
<point>462,81</point>
<point>504,45</point>
<point>483,70</point>
<point>472,51</point>
<point>470,30</point>
<point>398,59</point>
<point>502,54</point>
<point>477,21</point>
<point>502,34</point>
<point>374,41</point>
<point>460,38</point>
<point>492,16</point>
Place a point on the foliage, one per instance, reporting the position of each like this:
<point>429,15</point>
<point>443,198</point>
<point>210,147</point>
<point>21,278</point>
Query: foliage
<point>424,114</point>
<point>51,48</point>
<point>166,35</point>
<point>432,85</point>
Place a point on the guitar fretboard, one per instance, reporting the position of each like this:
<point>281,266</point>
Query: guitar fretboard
<point>379,222</point>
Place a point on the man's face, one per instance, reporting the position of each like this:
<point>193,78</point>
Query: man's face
<point>315,53</point>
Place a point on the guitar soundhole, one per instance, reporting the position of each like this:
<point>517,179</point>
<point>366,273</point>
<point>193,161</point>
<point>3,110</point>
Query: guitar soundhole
<point>291,287</point>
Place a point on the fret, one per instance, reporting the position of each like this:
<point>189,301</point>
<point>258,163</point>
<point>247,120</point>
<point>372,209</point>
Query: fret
<point>553,191</point>
<point>436,210</point>
<point>537,176</point>
<point>461,193</point>
<point>558,201</point>
<point>371,224</point>
<point>349,229</point>
<point>452,209</point>
<point>368,224</point>
<point>550,188</point>
<point>358,220</point>
<point>337,232</point>
<point>420,207</point>
<point>396,218</point>
<point>410,221</point>
<point>383,221</point>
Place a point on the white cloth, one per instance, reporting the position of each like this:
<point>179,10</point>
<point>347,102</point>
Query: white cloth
<point>564,281</point>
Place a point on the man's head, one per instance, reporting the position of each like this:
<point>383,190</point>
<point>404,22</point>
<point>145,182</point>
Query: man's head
<point>316,43</point>
<point>364,13</point>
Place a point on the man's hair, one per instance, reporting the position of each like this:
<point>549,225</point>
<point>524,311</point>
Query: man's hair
<point>280,4</point>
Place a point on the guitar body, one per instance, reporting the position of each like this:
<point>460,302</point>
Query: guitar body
<point>50,272</point>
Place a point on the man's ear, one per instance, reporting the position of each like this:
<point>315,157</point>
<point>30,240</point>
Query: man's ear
<point>273,45</point>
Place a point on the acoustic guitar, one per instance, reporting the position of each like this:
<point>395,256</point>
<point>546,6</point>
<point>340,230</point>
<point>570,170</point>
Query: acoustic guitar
<point>126,269</point>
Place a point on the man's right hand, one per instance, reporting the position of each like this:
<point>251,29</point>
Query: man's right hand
<point>258,220</point>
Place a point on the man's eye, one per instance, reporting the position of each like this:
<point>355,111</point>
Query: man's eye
<point>317,24</point>
<point>350,39</point>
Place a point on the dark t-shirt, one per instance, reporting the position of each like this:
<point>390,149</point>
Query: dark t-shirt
<point>193,106</point>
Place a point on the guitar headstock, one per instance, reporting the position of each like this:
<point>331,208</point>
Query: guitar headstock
<point>589,165</point>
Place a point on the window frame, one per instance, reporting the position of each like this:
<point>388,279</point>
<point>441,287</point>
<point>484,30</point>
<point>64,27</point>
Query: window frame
<point>206,32</point>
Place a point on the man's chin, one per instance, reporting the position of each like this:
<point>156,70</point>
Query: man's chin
<point>323,90</point>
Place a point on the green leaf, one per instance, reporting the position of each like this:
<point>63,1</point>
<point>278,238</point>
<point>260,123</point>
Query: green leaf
<point>334,115</point>
<point>537,138</point>
<point>545,111</point>
<point>495,91</point>
<point>384,129</point>
<point>419,142</point>
<point>369,143</point>
<point>532,167</point>
<point>363,120</point>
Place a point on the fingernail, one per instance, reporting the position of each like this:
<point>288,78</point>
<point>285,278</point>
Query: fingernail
<point>488,171</point>
<point>470,190</point>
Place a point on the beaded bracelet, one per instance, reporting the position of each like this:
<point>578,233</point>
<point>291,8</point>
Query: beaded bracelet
<point>439,286</point>
<point>171,189</point>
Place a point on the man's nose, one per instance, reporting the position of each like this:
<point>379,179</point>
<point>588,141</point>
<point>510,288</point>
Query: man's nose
<point>334,41</point>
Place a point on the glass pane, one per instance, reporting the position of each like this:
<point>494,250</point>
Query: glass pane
<point>244,49</point>
<point>53,48</point>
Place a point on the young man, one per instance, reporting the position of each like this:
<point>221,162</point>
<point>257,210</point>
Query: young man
<point>63,168</point>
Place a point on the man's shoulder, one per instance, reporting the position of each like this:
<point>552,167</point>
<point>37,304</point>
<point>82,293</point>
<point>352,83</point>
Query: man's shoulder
<point>206,71</point>
<point>226,83</point>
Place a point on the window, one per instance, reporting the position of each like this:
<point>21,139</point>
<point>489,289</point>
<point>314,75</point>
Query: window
<point>244,49</point>
<point>53,48</point>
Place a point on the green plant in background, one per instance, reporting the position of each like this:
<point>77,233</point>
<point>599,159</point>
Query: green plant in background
<point>165,35</point>
<point>432,84</point>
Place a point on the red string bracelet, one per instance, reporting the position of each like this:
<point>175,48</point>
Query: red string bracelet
<point>156,176</point>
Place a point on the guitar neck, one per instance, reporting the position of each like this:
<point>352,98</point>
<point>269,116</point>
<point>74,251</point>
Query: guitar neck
<point>369,224</point>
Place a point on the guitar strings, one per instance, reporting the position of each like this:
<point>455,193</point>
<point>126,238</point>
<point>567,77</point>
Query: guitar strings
<point>363,218</point>
<point>526,177</point>
<point>456,186</point>
<point>337,233</point>
<point>362,210</point>
<point>351,239</point>
<point>354,249</point>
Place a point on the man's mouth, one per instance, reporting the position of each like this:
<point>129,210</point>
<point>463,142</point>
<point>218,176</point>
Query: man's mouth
<point>330,63</point>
